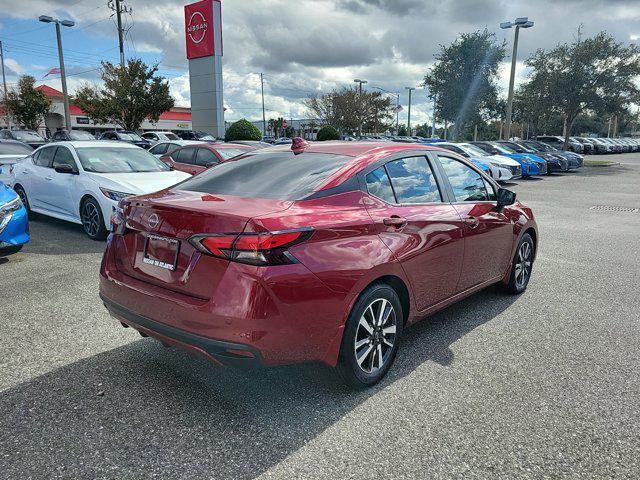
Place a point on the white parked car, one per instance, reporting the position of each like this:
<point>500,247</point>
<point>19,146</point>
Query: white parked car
<point>11,152</point>
<point>162,148</point>
<point>82,182</point>
<point>502,168</point>
<point>159,136</point>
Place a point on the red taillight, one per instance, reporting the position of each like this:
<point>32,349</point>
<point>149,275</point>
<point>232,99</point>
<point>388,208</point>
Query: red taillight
<point>254,249</point>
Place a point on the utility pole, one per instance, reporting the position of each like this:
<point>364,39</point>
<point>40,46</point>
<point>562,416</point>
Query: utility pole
<point>63,76</point>
<point>4,84</point>
<point>264,119</point>
<point>522,22</point>
<point>411,89</point>
<point>360,82</point>
<point>117,6</point>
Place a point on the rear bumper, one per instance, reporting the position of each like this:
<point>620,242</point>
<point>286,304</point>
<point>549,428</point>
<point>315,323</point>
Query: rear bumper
<point>218,351</point>
<point>279,316</point>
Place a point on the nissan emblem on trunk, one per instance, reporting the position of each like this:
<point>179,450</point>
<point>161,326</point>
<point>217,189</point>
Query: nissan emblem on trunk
<point>153,221</point>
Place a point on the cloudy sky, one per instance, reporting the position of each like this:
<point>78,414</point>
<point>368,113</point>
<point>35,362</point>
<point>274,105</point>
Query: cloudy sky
<point>302,46</point>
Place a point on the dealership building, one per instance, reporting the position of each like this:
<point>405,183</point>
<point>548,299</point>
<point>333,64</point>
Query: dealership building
<point>177,119</point>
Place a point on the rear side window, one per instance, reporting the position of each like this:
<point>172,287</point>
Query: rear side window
<point>468,185</point>
<point>45,157</point>
<point>184,156</point>
<point>378,185</point>
<point>413,180</point>
<point>273,175</point>
<point>15,149</point>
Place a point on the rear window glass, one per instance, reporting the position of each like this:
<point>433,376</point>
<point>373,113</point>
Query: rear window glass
<point>14,148</point>
<point>273,175</point>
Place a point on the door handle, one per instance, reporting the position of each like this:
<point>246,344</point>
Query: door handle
<point>48,178</point>
<point>472,222</point>
<point>395,221</point>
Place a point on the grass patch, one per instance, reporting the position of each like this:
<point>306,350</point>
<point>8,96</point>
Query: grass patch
<point>599,163</point>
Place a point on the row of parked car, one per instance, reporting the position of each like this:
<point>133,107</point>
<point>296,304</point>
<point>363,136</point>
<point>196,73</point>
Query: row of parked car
<point>82,181</point>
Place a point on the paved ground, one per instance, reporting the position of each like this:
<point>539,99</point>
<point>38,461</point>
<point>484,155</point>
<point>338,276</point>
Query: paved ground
<point>546,385</point>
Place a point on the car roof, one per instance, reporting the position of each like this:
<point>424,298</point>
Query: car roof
<point>93,144</point>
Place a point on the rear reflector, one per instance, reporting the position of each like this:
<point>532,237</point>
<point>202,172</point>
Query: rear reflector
<point>255,249</point>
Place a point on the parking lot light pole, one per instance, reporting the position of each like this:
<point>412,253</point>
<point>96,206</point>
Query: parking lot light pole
<point>65,95</point>
<point>360,82</point>
<point>521,22</point>
<point>411,89</point>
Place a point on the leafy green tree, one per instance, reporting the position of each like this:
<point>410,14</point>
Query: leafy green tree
<point>128,96</point>
<point>27,104</point>
<point>464,80</point>
<point>402,131</point>
<point>242,130</point>
<point>594,75</point>
<point>328,133</point>
<point>423,130</point>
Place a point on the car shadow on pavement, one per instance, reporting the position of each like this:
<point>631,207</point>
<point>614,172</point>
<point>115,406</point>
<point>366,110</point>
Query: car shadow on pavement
<point>50,236</point>
<point>141,410</point>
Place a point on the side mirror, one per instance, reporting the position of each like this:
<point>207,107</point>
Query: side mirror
<point>211,164</point>
<point>64,168</point>
<point>505,197</point>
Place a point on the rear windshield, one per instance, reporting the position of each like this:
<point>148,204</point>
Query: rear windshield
<point>273,175</point>
<point>14,148</point>
<point>26,135</point>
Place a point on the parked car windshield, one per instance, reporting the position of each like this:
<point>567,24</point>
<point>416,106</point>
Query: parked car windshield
<point>118,160</point>
<point>80,135</point>
<point>203,136</point>
<point>130,136</point>
<point>171,136</point>
<point>273,175</point>
<point>502,148</point>
<point>26,135</point>
<point>472,150</point>
<point>10,148</point>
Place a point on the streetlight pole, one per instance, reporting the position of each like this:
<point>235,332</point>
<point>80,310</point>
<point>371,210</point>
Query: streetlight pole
<point>360,82</point>
<point>433,124</point>
<point>411,89</point>
<point>63,76</point>
<point>521,22</point>
<point>264,119</point>
<point>4,83</point>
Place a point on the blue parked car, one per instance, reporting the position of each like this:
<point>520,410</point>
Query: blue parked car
<point>531,165</point>
<point>14,226</point>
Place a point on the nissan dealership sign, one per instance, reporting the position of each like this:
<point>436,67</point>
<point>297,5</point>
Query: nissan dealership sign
<point>202,20</point>
<point>203,37</point>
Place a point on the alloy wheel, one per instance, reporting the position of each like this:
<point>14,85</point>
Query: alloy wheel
<point>375,335</point>
<point>523,264</point>
<point>90,219</point>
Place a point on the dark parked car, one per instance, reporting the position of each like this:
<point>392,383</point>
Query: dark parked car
<point>321,252</point>
<point>555,163</point>
<point>575,159</point>
<point>73,135</point>
<point>126,136</point>
<point>558,142</point>
<point>197,135</point>
<point>195,159</point>
<point>31,138</point>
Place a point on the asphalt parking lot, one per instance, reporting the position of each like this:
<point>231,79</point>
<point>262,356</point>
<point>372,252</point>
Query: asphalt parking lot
<point>545,385</point>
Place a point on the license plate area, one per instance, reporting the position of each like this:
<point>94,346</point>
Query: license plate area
<point>161,252</point>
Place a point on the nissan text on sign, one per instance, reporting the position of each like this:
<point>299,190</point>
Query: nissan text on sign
<point>203,36</point>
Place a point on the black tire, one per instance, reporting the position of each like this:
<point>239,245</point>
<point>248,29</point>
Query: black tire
<point>523,259</point>
<point>369,372</point>
<point>25,201</point>
<point>92,219</point>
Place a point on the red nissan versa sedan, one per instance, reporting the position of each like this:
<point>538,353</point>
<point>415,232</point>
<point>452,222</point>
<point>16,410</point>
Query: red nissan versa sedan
<point>321,252</point>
